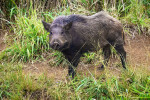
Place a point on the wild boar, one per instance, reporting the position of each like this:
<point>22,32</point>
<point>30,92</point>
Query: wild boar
<point>74,35</point>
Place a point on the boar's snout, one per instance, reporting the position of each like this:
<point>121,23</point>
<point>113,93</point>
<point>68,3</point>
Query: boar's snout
<point>58,44</point>
<point>55,44</point>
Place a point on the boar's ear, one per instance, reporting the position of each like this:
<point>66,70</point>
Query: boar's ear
<point>46,25</point>
<point>68,26</point>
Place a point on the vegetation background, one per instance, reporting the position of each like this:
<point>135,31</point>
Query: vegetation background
<point>31,70</point>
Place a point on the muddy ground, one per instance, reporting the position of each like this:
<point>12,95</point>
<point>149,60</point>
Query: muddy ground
<point>138,57</point>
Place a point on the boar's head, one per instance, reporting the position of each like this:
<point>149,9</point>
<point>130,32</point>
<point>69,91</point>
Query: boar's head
<point>59,37</point>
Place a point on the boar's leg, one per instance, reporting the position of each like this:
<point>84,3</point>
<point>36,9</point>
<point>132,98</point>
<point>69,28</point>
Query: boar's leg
<point>74,60</point>
<point>107,53</point>
<point>122,53</point>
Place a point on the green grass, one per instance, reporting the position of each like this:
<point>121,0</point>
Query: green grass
<point>15,84</point>
<point>136,14</point>
<point>30,39</point>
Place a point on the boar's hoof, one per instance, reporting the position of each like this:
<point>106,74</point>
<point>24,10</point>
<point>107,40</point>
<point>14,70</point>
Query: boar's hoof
<point>101,68</point>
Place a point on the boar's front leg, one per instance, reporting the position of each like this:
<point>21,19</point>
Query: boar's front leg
<point>74,60</point>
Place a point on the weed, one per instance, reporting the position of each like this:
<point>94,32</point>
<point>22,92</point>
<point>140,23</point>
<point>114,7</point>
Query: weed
<point>89,57</point>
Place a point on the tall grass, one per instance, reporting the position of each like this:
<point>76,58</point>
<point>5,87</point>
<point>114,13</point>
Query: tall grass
<point>136,14</point>
<point>30,40</point>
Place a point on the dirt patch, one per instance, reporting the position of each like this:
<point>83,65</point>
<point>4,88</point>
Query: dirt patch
<point>138,52</point>
<point>43,68</point>
<point>2,38</point>
<point>138,57</point>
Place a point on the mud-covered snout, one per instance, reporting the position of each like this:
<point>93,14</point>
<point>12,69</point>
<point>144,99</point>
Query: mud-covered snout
<point>58,43</point>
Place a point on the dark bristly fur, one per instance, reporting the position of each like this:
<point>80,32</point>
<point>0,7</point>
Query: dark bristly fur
<point>74,35</point>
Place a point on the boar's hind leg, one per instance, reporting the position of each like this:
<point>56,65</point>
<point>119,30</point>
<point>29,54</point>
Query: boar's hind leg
<point>107,53</point>
<point>122,53</point>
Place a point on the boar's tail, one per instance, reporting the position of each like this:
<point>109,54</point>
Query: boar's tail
<point>123,37</point>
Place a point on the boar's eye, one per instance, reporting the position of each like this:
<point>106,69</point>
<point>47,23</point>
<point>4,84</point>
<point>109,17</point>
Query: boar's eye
<point>51,33</point>
<point>62,32</point>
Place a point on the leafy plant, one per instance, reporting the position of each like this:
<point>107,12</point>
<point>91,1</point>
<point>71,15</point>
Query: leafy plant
<point>89,57</point>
